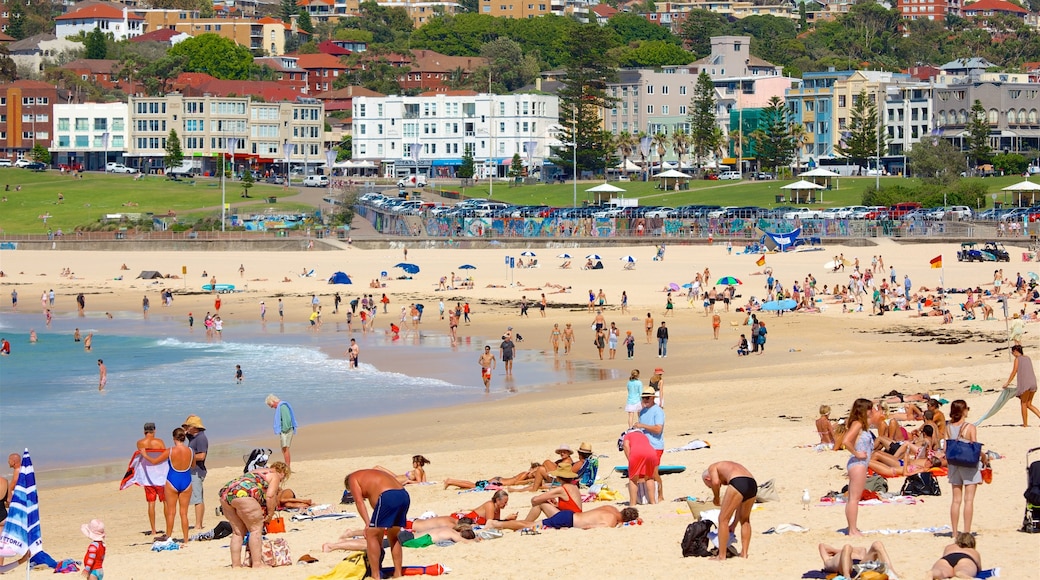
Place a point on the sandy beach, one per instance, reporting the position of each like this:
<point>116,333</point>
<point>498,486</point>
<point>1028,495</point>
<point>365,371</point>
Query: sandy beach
<point>756,410</point>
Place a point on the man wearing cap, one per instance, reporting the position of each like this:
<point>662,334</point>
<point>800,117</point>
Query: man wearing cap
<point>507,350</point>
<point>651,422</point>
<point>152,492</point>
<point>199,445</point>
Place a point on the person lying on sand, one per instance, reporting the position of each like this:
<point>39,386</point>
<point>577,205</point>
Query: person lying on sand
<point>491,482</point>
<point>881,464</point>
<point>286,279</point>
<point>417,474</point>
<point>287,500</point>
<point>606,516</point>
<point>841,560</point>
<point>960,559</point>
<point>458,533</point>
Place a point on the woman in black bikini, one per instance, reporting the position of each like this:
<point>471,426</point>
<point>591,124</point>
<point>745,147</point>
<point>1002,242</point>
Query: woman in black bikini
<point>960,559</point>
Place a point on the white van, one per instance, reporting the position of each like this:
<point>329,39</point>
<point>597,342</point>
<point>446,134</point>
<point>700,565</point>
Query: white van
<point>316,181</point>
<point>415,180</point>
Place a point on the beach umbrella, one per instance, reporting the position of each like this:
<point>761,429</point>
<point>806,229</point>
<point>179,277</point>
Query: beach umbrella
<point>727,281</point>
<point>629,259</point>
<point>564,256</point>
<point>467,267</point>
<point>21,531</point>
<point>774,305</point>
<point>1033,276</point>
<point>673,287</point>
<point>408,268</point>
<point>593,257</point>
<point>528,254</point>
<point>687,286</point>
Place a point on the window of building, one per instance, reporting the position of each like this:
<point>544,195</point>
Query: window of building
<point>649,109</point>
<point>682,90</point>
<point>63,141</point>
<point>649,89</point>
<point>841,101</point>
<point>100,124</point>
<point>664,109</point>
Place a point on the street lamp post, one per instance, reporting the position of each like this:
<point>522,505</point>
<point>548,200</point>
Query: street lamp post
<point>574,152</point>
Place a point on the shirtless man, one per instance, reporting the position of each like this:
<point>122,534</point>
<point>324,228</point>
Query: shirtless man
<point>599,321</point>
<point>606,516</point>
<point>568,338</point>
<point>739,499</point>
<point>353,352</point>
<point>151,492</point>
<point>390,503</point>
<point>841,560</point>
<point>487,364</point>
<point>102,375</point>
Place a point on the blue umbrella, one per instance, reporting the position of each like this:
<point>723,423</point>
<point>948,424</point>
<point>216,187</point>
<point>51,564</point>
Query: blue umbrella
<point>774,305</point>
<point>409,268</point>
<point>564,256</point>
<point>21,531</point>
<point>629,259</point>
<point>593,257</point>
<point>528,254</point>
<point>687,285</point>
<point>467,267</point>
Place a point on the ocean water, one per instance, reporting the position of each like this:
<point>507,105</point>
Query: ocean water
<point>159,371</point>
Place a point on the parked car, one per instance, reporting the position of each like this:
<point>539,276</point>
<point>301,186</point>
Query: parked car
<point>919,215</point>
<point>23,162</point>
<point>958,212</point>
<point>5,162</point>
<point>730,175</point>
<point>876,212</point>
<point>764,175</point>
<point>316,181</point>
<point>416,180</point>
<point>119,168</point>
<point>36,166</point>
<point>802,213</point>
<point>660,212</point>
<point>899,210</point>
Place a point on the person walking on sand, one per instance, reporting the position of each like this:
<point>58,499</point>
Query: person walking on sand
<point>263,311</point>
<point>102,373</point>
<point>487,364</point>
<point>635,391</point>
<point>284,424</point>
<point>568,338</point>
<point>151,492</point>
<point>648,324</point>
<point>81,302</point>
<point>738,499</point>
<point>662,341</point>
<point>1026,382</point>
<point>14,299</point>
<point>554,338</point>
<point>507,351</point>
<point>389,503</point>
<point>198,442</point>
<point>716,322</point>
<point>281,311</point>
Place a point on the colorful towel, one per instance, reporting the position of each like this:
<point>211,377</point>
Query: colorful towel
<point>142,473</point>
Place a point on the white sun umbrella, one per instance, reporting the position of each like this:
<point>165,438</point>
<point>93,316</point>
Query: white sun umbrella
<point>672,174</point>
<point>802,185</point>
<point>629,259</point>
<point>819,172</point>
<point>593,257</point>
<point>527,254</point>
<point>564,256</point>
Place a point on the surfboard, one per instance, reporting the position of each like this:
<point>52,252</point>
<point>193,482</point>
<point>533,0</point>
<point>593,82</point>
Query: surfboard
<point>221,288</point>
<point>663,470</point>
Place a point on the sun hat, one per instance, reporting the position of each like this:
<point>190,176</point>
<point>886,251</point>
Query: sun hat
<point>194,421</point>
<point>564,447</point>
<point>649,391</point>
<point>585,448</point>
<point>564,473</point>
<point>659,371</point>
<point>95,530</point>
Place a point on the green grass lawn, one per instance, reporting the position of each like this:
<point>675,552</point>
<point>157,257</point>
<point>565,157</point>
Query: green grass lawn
<point>87,200</point>
<point>759,193</point>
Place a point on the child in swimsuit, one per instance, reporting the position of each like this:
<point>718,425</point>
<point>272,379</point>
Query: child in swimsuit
<point>94,560</point>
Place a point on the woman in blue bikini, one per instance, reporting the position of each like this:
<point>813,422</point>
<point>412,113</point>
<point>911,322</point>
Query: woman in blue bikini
<point>178,480</point>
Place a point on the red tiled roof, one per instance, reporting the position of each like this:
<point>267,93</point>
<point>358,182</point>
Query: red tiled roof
<point>195,84</point>
<point>308,2</point>
<point>160,35</point>
<point>320,60</point>
<point>329,47</point>
<point>94,66</point>
<point>428,60</point>
<point>995,6</point>
<point>4,37</point>
<point>1031,66</point>
<point>26,84</point>
<point>98,12</point>
<point>604,10</point>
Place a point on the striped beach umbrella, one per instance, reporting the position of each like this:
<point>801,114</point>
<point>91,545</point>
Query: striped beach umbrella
<point>528,254</point>
<point>21,531</point>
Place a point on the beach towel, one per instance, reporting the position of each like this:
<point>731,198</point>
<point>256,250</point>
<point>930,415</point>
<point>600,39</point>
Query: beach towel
<point>331,516</point>
<point>353,567</point>
<point>1006,395</point>
<point>142,473</point>
<point>278,418</point>
<point>691,446</point>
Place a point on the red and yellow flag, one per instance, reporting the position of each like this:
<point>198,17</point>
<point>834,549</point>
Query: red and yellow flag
<point>936,262</point>
<point>761,261</point>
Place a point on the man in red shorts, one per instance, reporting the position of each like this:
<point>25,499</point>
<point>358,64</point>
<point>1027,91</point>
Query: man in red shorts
<point>152,492</point>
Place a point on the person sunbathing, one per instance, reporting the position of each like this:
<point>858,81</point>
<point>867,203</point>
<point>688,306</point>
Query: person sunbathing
<point>881,464</point>
<point>606,516</point>
<point>824,427</point>
<point>417,473</point>
<point>494,482</point>
<point>910,412</point>
<point>960,559</point>
<point>842,560</point>
<point>355,541</point>
<point>287,500</point>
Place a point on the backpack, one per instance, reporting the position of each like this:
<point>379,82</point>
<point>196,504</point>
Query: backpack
<point>921,484</point>
<point>257,458</point>
<point>695,541</point>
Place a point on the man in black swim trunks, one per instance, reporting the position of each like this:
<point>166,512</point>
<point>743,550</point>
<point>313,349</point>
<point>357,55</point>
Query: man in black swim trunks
<point>390,503</point>
<point>739,499</point>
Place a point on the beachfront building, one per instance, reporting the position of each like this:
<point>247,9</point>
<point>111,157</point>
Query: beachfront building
<point>262,135</point>
<point>1012,112</point>
<point>26,110</point>
<point>907,118</point>
<point>429,134</point>
<point>90,134</point>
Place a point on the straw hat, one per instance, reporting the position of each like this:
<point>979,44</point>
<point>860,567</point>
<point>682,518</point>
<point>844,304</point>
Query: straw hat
<point>194,421</point>
<point>585,448</point>
<point>564,448</point>
<point>649,391</point>
<point>95,530</point>
<point>564,473</point>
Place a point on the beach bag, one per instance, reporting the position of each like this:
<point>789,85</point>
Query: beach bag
<point>276,526</point>
<point>920,484</point>
<point>695,541</point>
<point>767,492</point>
<point>877,484</point>
<point>963,453</point>
<point>273,552</point>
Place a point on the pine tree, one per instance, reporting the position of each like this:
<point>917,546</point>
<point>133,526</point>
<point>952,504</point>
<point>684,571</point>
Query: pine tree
<point>703,137</point>
<point>174,155</point>
<point>16,21</point>
<point>286,10</point>
<point>978,134</point>
<point>774,146</point>
<point>516,168</point>
<point>96,44</point>
<point>304,22</point>
<point>40,153</point>
<point>468,168</point>
<point>247,181</point>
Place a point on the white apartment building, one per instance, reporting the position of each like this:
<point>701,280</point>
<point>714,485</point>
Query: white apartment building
<point>907,119</point>
<point>430,134</point>
<point>260,135</point>
<point>90,134</point>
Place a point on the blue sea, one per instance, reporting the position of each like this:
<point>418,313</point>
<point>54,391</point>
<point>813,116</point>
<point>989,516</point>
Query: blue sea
<point>160,371</point>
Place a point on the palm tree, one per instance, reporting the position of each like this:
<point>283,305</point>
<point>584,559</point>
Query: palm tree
<point>661,143</point>
<point>680,144</point>
<point>799,137</point>
<point>625,143</point>
<point>719,139</point>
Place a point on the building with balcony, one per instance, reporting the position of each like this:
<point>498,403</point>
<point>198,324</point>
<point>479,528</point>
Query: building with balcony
<point>431,133</point>
<point>518,8</point>
<point>26,110</point>
<point>430,70</point>
<point>988,8</point>
<point>91,134</point>
<point>907,116</point>
<point>1012,113</point>
<point>256,134</point>
<point>928,9</point>
<point>422,11</point>
<point>117,21</point>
